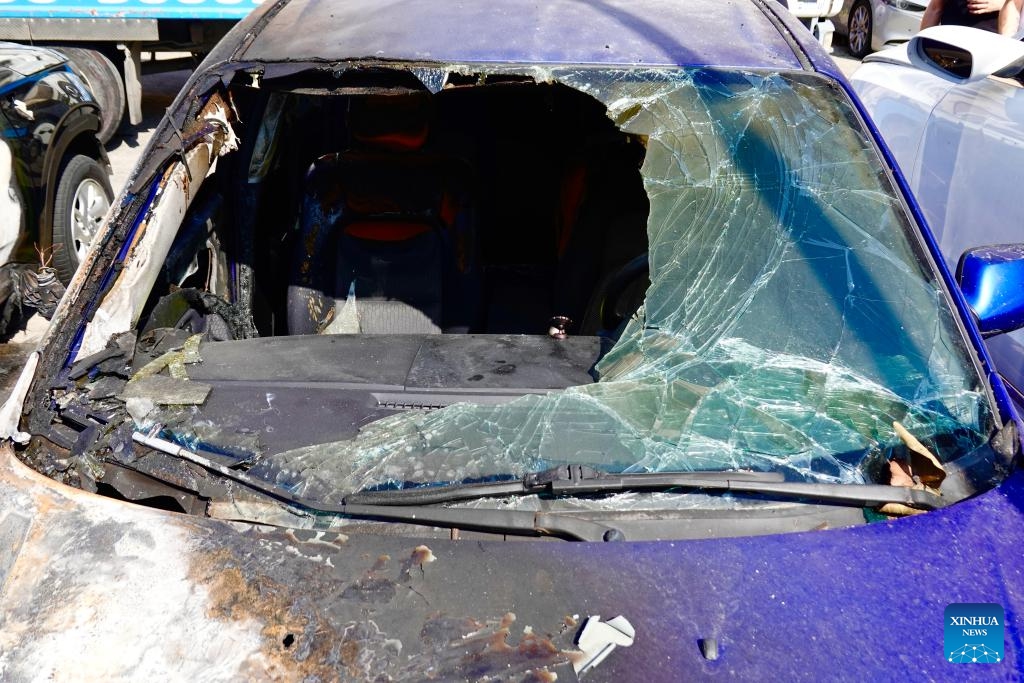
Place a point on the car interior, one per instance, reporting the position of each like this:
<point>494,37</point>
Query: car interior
<point>403,249</point>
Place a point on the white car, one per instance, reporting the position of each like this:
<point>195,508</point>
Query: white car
<point>815,15</point>
<point>950,106</point>
<point>872,25</point>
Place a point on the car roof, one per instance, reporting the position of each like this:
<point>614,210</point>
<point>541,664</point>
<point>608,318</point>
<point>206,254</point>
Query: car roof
<point>740,33</point>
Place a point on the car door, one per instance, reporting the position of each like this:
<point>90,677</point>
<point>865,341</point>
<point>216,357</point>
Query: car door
<point>34,108</point>
<point>28,129</point>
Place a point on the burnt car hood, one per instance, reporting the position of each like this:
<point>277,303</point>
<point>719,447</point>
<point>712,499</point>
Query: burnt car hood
<point>94,584</point>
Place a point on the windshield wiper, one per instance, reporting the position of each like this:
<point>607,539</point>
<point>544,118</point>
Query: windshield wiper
<point>576,480</point>
<point>413,506</point>
<point>515,522</point>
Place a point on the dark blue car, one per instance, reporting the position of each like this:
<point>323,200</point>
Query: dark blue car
<point>57,170</point>
<point>513,341</point>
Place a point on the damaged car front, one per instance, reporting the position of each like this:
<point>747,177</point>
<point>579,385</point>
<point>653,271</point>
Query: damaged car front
<point>361,326</point>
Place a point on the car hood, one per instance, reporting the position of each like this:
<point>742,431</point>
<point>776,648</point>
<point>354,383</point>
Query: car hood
<point>94,584</point>
<point>894,55</point>
<point>20,61</point>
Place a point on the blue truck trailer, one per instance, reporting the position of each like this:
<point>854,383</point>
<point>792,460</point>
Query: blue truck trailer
<point>107,38</point>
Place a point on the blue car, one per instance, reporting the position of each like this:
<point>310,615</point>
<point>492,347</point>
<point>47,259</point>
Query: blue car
<point>515,341</point>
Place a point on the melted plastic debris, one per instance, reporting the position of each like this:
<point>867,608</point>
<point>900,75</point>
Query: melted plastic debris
<point>167,390</point>
<point>139,409</point>
<point>174,360</point>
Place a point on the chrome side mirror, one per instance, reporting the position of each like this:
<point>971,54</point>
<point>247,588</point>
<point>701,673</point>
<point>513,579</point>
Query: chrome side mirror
<point>992,280</point>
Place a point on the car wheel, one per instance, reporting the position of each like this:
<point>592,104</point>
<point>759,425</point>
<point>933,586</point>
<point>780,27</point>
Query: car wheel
<point>104,83</point>
<point>859,26</point>
<point>83,197</point>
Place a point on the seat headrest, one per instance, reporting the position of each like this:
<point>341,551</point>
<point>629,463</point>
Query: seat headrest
<point>392,122</point>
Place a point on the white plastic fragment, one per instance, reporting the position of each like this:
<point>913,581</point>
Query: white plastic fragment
<point>598,638</point>
<point>139,410</point>
<point>346,320</point>
<point>11,411</point>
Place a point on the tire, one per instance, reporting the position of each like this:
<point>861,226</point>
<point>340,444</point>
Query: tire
<point>80,205</point>
<point>859,26</point>
<point>105,84</point>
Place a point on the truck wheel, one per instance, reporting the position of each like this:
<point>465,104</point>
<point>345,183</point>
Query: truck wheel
<point>81,203</point>
<point>859,27</point>
<point>106,85</point>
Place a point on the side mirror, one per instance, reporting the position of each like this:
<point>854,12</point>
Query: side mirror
<point>992,280</point>
<point>965,54</point>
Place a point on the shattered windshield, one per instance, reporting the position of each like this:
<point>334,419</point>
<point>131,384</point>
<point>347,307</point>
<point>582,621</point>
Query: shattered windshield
<point>788,323</point>
<point>790,317</point>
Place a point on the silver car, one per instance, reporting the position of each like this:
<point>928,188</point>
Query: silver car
<point>872,24</point>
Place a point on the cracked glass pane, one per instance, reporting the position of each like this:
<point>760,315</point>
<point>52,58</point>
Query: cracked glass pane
<point>788,323</point>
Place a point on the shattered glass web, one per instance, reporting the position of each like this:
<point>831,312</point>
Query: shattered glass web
<point>788,323</point>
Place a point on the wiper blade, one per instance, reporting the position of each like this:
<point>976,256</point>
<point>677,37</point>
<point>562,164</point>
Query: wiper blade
<point>576,480</point>
<point>515,522</point>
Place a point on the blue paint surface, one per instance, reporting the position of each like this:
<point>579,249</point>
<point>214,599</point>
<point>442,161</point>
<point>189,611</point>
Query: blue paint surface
<point>862,604</point>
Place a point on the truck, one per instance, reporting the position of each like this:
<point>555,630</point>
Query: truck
<point>106,39</point>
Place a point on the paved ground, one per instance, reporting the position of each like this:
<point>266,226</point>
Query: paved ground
<point>159,91</point>
<point>847,64</point>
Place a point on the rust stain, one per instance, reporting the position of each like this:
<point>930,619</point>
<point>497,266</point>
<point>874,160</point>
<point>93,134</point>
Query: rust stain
<point>539,676</point>
<point>300,642</point>
<point>350,651</point>
<point>316,313</point>
<point>285,630</point>
<point>421,555</point>
<point>381,564</point>
<point>468,649</point>
<point>311,240</point>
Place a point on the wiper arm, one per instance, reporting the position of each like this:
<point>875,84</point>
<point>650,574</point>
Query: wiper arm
<point>574,480</point>
<point>515,522</point>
